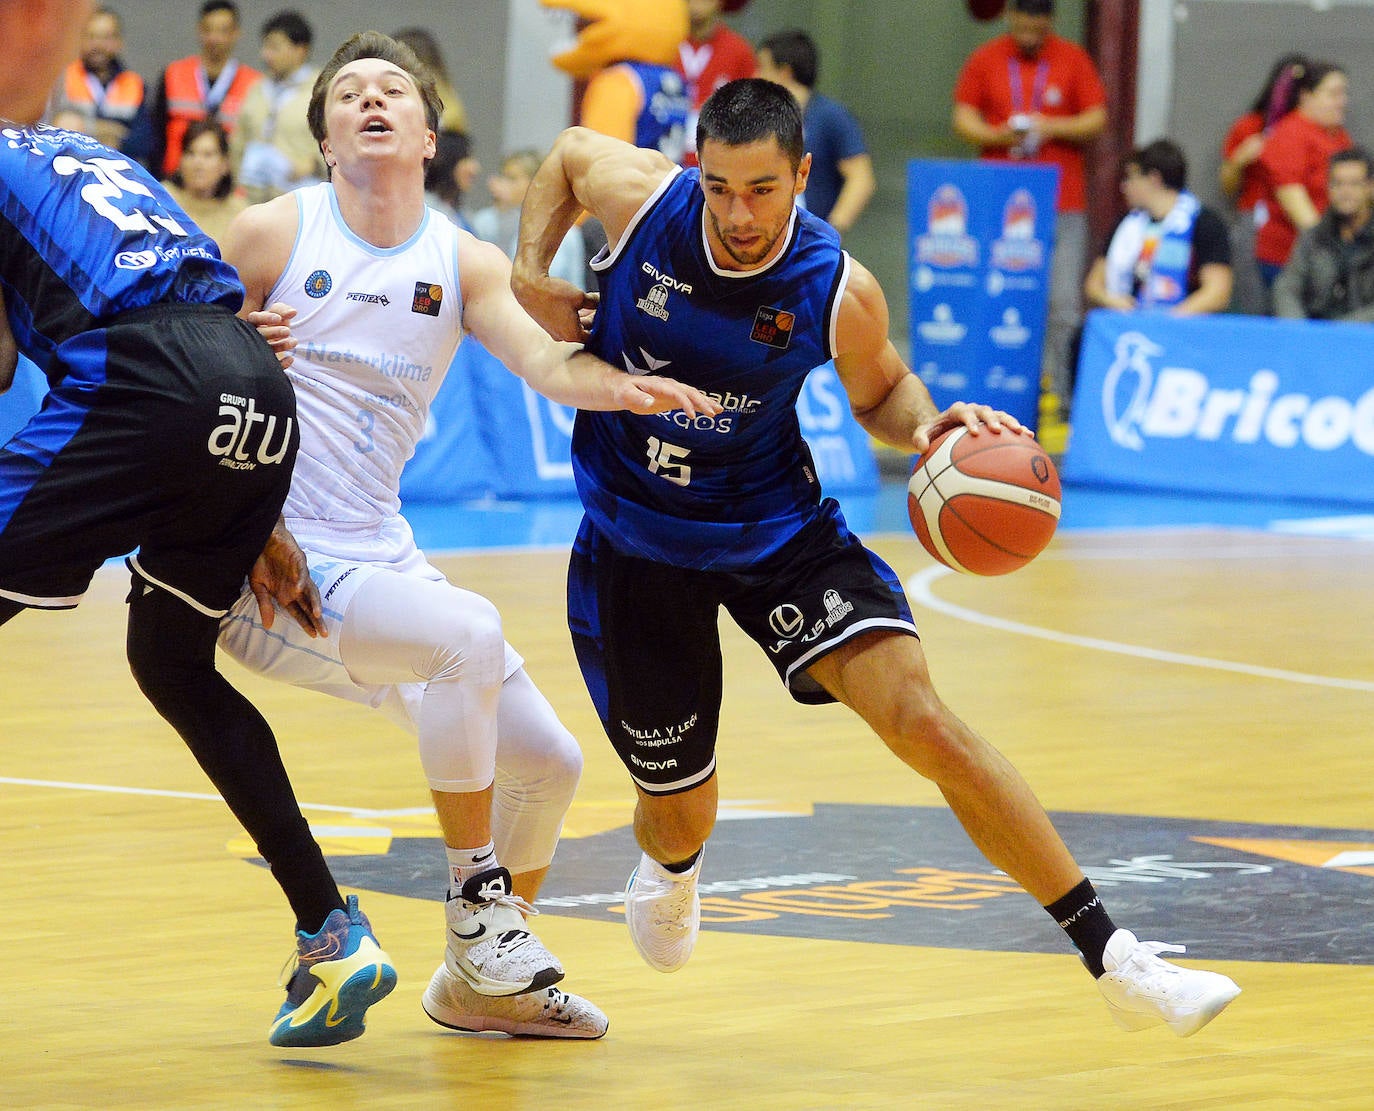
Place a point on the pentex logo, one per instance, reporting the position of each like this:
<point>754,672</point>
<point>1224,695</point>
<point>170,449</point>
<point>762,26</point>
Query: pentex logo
<point>1141,403</point>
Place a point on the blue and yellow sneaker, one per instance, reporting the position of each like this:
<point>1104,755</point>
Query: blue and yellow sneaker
<point>337,974</point>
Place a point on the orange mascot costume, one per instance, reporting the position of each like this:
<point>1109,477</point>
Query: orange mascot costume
<point>625,51</point>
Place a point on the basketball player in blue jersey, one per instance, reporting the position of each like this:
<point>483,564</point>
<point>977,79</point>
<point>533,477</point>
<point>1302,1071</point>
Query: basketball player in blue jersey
<point>382,291</point>
<point>169,428</point>
<point>717,278</point>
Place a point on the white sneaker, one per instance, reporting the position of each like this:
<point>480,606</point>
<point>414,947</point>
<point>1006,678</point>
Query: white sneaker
<point>1142,990</point>
<point>489,944</point>
<point>450,1001</point>
<point>663,911</point>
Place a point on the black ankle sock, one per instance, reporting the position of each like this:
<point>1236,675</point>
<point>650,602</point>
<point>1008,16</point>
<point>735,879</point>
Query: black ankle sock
<point>1082,916</point>
<point>684,865</point>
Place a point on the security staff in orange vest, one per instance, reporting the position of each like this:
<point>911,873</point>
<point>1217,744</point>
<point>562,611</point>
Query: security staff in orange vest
<point>107,95</point>
<point>211,83</point>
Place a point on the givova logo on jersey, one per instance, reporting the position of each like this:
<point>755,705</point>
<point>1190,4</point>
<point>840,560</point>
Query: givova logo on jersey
<point>245,438</point>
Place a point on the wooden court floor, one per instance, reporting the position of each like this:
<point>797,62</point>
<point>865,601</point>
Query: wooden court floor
<point>1184,696</point>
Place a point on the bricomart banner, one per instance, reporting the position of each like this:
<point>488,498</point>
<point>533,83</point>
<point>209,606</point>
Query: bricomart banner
<point>1225,405</point>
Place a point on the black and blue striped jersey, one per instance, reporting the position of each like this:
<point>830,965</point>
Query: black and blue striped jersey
<point>86,234</point>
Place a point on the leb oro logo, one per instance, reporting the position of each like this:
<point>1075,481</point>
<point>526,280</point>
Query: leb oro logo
<point>428,300</point>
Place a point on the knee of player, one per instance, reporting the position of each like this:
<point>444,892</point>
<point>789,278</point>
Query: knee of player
<point>469,644</point>
<point>559,767</point>
<point>548,789</point>
<point>927,736</point>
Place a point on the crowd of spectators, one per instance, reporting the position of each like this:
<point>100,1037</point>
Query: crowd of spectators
<point>1296,189</point>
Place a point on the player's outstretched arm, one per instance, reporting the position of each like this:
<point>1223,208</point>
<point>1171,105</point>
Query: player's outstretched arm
<point>559,371</point>
<point>889,402</point>
<point>585,170</point>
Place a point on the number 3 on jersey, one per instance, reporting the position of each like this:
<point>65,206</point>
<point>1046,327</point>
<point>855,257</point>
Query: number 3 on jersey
<point>665,460</point>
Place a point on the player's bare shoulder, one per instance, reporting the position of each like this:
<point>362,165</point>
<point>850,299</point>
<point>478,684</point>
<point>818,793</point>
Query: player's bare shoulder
<point>610,177</point>
<point>863,317</point>
<point>258,244</point>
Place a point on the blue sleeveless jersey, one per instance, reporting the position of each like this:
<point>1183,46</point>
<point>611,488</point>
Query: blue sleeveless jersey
<point>87,234</point>
<point>717,492</point>
<point>662,122</point>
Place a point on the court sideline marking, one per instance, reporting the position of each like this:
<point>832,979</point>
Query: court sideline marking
<point>918,587</point>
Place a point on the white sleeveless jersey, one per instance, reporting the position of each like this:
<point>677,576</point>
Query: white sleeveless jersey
<point>376,329</point>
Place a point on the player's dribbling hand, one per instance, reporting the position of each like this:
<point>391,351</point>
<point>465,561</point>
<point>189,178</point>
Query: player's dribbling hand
<point>274,325</point>
<point>280,579</point>
<point>973,417</point>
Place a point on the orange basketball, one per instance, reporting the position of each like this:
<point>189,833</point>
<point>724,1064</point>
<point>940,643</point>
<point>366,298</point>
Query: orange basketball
<point>984,504</point>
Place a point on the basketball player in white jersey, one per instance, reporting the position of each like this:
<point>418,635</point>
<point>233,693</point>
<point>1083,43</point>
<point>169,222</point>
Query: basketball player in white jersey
<point>380,291</point>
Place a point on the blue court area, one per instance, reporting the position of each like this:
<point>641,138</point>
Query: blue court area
<point>551,523</point>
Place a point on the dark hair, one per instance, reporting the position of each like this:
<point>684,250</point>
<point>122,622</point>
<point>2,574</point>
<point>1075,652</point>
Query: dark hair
<point>1351,154</point>
<point>797,51</point>
<point>426,49</point>
<point>373,44</point>
<point>1314,73</point>
<point>450,148</point>
<point>1032,7</point>
<point>225,186</point>
<point>1280,91</point>
<point>751,110</point>
<point>1163,158</point>
<point>229,6</point>
<point>292,25</point>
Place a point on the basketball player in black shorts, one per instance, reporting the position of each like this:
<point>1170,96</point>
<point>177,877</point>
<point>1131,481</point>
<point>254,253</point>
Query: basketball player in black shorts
<point>169,427</point>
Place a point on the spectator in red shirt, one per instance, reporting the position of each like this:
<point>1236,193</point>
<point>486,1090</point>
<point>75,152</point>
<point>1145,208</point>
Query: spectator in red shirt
<point>1242,182</point>
<point>1033,96</point>
<point>1294,165</point>
<point>709,56</point>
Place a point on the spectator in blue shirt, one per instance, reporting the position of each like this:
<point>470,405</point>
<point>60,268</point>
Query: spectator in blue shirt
<point>842,181</point>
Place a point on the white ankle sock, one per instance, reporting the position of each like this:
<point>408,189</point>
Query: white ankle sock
<point>463,864</point>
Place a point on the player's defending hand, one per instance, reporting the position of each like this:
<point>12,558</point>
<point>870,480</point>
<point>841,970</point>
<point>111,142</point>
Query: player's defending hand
<point>973,417</point>
<point>559,307</point>
<point>274,325</point>
<point>648,393</point>
<point>280,579</point>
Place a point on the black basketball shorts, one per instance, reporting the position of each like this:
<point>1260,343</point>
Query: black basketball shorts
<point>173,431</point>
<point>648,644</point>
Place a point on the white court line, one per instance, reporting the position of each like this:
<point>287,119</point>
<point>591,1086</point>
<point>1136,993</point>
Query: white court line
<point>354,811</point>
<point>918,588</point>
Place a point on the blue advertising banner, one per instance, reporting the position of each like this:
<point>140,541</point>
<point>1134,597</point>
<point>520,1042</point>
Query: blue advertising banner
<point>981,240</point>
<point>1225,405</point>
